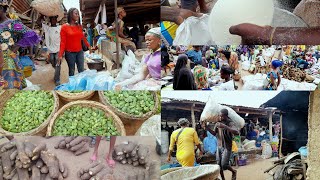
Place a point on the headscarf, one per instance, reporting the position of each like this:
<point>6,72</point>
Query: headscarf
<point>183,121</point>
<point>4,3</point>
<point>200,76</point>
<point>277,63</point>
<point>155,31</point>
<point>120,9</point>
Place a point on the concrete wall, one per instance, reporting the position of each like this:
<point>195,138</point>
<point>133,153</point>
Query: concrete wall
<point>314,134</point>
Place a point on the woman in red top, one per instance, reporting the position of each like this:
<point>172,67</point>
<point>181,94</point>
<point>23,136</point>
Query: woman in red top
<point>71,42</point>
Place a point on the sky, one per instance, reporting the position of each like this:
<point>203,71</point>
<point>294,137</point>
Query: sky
<point>71,3</point>
<point>236,98</point>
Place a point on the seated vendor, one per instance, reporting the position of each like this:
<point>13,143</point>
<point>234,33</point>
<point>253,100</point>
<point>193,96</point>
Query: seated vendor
<point>229,84</point>
<point>152,63</point>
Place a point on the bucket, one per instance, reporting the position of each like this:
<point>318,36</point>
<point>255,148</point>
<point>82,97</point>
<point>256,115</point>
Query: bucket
<point>27,71</point>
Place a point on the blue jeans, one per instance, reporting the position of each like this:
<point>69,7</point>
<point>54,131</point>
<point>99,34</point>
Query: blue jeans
<point>74,58</point>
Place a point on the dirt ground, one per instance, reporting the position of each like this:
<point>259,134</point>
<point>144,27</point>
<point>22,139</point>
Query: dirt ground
<point>74,163</point>
<point>255,168</point>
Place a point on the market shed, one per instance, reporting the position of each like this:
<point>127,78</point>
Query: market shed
<point>138,11</point>
<point>294,126</point>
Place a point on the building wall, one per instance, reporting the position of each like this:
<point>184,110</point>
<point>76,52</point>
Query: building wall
<point>314,134</point>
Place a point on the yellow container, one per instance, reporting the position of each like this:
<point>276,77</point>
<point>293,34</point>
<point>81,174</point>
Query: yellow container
<point>27,71</point>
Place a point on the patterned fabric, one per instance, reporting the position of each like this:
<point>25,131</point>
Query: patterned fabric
<point>271,86</point>
<point>168,32</point>
<point>13,32</point>
<point>200,76</point>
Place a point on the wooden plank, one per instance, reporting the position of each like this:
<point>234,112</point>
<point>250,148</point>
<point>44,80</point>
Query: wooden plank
<point>281,136</point>
<point>193,117</point>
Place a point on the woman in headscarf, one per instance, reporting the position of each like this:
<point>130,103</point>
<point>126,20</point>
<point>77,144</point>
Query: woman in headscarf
<point>273,79</point>
<point>152,63</point>
<point>185,140</point>
<point>201,77</point>
<point>123,39</point>
<point>225,73</point>
<point>183,78</point>
<point>90,34</point>
<point>13,35</point>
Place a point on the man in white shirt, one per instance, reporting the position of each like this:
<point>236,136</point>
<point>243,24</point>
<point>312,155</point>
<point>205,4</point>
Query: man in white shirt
<point>52,39</point>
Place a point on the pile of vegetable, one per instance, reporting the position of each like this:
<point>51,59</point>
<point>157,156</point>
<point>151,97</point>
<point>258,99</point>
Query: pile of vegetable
<point>96,171</point>
<point>134,103</point>
<point>27,110</point>
<point>84,121</point>
<point>74,91</point>
<point>24,160</point>
<point>79,145</point>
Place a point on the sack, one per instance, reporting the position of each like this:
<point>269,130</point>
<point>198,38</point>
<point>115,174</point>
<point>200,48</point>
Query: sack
<point>49,7</point>
<point>194,30</point>
<point>211,112</point>
<point>84,46</point>
<point>130,67</point>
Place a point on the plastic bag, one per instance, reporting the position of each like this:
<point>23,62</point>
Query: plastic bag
<point>211,112</point>
<point>245,65</point>
<point>130,67</point>
<point>54,6</point>
<point>151,127</point>
<point>149,84</point>
<point>266,150</point>
<point>26,61</point>
<point>194,30</point>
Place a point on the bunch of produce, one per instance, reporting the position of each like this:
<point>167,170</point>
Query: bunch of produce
<point>84,121</point>
<point>132,153</point>
<point>134,103</point>
<point>78,145</point>
<point>27,110</point>
<point>292,73</point>
<point>96,171</point>
<point>24,160</point>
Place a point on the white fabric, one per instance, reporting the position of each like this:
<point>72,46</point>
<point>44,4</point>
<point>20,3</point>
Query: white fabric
<point>228,86</point>
<point>104,14</point>
<point>52,38</point>
<point>98,28</point>
<point>97,18</point>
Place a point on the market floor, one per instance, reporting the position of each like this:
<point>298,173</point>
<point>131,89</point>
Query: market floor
<point>75,163</point>
<point>43,76</point>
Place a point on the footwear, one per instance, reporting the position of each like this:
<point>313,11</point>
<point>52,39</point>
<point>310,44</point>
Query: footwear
<point>57,83</point>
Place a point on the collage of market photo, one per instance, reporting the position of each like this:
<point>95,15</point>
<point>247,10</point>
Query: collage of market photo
<point>159,89</point>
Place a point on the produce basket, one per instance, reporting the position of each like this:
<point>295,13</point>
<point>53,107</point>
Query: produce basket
<point>91,104</point>
<point>69,97</point>
<point>203,172</point>
<point>128,118</point>
<point>39,131</point>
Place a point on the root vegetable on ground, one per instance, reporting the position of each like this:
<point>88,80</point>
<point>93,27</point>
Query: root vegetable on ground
<point>37,151</point>
<point>143,151</point>
<point>35,173</point>
<point>6,162</point>
<point>10,175</point>
<point>78,146</point>
<point>29,147</point>
<point>39,164</point>
<point>44,170</point>
<point>52,162</point>
<point>93,171</point>
<point>13,155</point>
<point>84,149</point>
<point>23,173</point>
<point>7,146</point>
<point>1,170</point>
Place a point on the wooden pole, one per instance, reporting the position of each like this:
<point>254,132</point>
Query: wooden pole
<point>117,33</point>
<point>280,152</point>
<point>270,125</point>
<point>193,116</point>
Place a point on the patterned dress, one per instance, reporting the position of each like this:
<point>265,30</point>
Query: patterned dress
<point>14,33</point>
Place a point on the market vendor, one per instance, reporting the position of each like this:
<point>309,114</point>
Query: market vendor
<point>225,73</point>
<point>14,35</point>
<point>228,130</point>
<point>273,77</point>
<point>185,139</point>
<point>195,55</point>
<point>152,63</point>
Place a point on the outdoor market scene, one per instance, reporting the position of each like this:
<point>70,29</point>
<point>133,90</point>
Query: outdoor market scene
<point>268,22</point>
<point>227,68</point>
<point>222,135</point>
<point>40,52</point>
<point>79,157</point>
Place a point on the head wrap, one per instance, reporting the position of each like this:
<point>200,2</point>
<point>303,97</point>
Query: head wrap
<point>155,31</point>
<point>120,9</point>
<point>4,3</point>
<point>277,63</point>
<point>183,121</point>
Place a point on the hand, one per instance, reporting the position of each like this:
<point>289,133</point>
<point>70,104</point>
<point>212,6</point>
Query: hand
<point>59,61</point>
<point>252,34</point>
<point>118,88</point>
<point>169,159</point>
<point>90,50</point>
<point>220,125</point>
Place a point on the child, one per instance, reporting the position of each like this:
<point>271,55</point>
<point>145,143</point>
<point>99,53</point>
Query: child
<point>273,79</point>
<point>109,159</point>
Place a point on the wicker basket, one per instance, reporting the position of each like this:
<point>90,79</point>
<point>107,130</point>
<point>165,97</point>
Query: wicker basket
<point>39,131</point>
<point>117,121</point>
<point>128,118</point>
<point>69,97</point>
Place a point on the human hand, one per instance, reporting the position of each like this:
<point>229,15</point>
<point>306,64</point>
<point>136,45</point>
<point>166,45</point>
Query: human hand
<point>59,62</point>
<point>169,159</point>
<point>118,87</point>
<point>252,34</point>
<point>220,125</point>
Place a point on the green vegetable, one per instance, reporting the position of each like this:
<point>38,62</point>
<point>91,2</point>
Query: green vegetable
<point>134,103</point>
<point>75,91</point>
<point>26,110</point>
<point>84,121</point>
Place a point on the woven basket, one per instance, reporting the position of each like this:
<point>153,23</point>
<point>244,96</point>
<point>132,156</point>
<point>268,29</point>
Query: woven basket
<point>69,97</point>
<point>128,118</point>
<point>39,131</point>
<point>92,104</point>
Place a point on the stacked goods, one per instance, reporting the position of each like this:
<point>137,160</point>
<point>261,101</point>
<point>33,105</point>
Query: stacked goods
<point>27,110</point>
<point>84,121</point>
<point>96,171</point>
<point>24,160</point>
<point>212,111</point>
<point>79,145</point>
<point>55,6</point>
<point>292,73</point>
<point>132,153</point>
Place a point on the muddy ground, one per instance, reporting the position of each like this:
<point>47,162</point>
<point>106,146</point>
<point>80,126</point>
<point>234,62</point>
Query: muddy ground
<point>74,163</point>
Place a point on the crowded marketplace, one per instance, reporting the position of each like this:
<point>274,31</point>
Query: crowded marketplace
<point>221,135</point>
<point>243,67</point>
<point>80,45</point>
<point>268,22</point>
